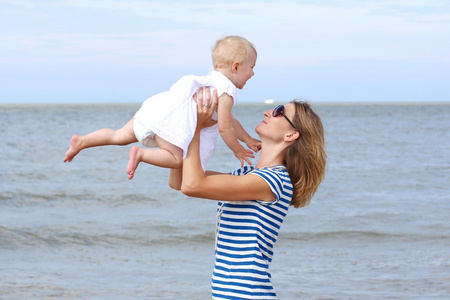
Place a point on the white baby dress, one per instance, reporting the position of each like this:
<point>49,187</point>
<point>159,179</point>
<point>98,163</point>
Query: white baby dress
<point>172,115</point>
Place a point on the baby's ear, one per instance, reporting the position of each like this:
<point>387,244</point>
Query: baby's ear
<point>235,66</point>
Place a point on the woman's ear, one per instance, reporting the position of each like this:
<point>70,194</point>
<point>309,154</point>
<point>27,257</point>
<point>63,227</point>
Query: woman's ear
<point>292,136</point>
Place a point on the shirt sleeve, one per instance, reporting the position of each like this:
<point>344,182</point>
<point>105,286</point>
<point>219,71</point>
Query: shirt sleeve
<point>242,171</point>
<point>224,86</point>
<point>274,180</point>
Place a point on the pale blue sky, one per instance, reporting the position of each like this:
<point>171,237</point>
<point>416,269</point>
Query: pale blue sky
<point>323,51</point>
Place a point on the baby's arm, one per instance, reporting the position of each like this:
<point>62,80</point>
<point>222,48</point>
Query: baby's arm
<point>225,122</point>
<point>243,136</point>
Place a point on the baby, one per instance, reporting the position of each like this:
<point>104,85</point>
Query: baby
<point>168,120</point>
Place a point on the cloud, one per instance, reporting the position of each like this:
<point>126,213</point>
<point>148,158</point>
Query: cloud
<point>320,36</point>
<point>285,32</point>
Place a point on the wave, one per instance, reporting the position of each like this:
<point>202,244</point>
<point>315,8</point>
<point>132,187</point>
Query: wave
<point>360,235</point>
<point>24,198</point>
<point>58,237</point>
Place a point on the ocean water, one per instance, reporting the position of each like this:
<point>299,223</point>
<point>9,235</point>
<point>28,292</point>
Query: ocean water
<point>378,227</point>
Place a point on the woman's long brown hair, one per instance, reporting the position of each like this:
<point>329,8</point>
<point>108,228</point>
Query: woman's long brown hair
<point>305,159</point>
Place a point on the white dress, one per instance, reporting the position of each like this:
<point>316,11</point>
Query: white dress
<point>172,115</point>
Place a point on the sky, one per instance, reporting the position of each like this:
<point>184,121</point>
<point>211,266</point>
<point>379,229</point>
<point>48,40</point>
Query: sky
<point>80,51</point>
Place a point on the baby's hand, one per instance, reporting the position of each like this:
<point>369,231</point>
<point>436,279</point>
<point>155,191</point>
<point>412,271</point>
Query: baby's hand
<point>253,144</point>
<point>243,155</point>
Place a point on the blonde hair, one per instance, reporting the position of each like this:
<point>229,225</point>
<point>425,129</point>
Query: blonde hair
<point>230,49</point>
<point>305,159</point>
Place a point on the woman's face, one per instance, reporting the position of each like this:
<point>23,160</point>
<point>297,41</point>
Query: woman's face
<point>276,127</point>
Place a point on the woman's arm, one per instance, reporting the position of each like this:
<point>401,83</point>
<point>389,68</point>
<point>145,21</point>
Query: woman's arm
<point>175,177</point>
<point>218,187</point>
<point>227,187</point>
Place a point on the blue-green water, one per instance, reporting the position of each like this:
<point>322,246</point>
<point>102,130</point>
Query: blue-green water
<point>378,227</point>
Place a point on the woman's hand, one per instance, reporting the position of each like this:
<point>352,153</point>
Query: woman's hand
<point>205,107</point>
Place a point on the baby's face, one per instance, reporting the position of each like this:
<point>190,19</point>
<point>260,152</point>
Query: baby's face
<point>245,71</point>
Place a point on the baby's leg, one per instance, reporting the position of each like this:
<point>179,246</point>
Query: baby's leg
<point>175,178</point>
<point>166,156</point>
<point>102,137</point>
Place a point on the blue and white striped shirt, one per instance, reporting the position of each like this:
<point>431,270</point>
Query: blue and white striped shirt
<point>246,234</point>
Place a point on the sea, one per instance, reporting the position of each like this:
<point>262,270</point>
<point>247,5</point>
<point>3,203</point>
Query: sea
<point>377,228</point>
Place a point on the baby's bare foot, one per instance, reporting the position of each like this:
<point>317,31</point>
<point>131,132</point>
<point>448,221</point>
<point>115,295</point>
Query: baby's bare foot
<point>75,148</point>
<point>133,161</point>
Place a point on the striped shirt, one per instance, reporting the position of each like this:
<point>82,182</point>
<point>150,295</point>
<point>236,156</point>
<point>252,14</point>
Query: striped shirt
<point>245,236</point>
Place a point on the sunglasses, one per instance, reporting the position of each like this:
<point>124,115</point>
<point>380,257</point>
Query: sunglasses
<point>279,110</point>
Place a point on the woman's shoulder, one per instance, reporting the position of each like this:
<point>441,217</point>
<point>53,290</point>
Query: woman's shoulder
<point>280,169</point>
<point>276,176</point>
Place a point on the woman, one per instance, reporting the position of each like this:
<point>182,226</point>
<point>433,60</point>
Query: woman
<point>254,201</point>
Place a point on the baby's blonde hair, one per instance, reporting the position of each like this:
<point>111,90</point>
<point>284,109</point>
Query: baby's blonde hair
<point>230,49</point>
